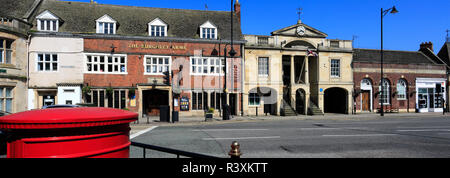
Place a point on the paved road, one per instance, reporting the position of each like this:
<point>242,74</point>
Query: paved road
<point>389,137</point>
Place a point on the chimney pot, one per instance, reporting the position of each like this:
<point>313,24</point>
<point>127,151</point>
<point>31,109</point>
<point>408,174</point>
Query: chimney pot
<point>428,45</point>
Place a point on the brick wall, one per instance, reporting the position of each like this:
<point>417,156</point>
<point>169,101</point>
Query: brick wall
<point>179,52</point>
<point>393,78</point>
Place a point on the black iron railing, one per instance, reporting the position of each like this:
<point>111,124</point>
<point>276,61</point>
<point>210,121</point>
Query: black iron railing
<point>170,151</point>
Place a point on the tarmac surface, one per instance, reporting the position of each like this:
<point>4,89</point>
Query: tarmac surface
<point>330,136</point>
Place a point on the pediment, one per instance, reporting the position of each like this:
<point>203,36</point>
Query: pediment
<point>106,18</point>
<point>47,15</point>
<point>208,24</point>
<point>293,31</point>
<point>158,22</point>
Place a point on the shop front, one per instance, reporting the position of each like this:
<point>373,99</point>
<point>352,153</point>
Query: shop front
<point>430,94</point>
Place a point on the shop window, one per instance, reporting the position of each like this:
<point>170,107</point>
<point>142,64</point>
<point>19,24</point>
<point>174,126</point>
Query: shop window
<point>199,100</point>
<point>102,98</point>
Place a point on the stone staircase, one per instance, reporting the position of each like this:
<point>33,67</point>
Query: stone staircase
<point>313,109</point>
<point>287,110</point>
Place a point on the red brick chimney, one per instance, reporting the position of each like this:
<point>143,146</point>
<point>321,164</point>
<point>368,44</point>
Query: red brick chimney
<point>237,10</point>
<point>428,45</point>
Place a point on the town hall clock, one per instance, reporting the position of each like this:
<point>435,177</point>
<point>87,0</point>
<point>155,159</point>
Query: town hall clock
<point>301,30</point>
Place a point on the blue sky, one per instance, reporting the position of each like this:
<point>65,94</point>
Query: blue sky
<point>418,20</point>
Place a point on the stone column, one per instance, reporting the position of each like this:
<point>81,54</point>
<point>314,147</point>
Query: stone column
<point>292,83</point>
<point>306,69</point>
<point>307,94</point>
<point>292,71</point>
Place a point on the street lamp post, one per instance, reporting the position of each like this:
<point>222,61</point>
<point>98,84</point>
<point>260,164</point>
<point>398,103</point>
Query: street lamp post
<point>392,10</point>
<point>232,53</point>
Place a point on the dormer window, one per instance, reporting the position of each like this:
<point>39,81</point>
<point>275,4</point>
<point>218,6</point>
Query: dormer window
<point>208,31</point>
<point>157,28</point>
<point>47,21</point>
<point>106,25</point>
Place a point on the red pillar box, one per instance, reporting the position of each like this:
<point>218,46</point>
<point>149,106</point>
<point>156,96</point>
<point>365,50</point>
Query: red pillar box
<point>68,133</point>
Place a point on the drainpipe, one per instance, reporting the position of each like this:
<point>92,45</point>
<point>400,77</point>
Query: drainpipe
<point>28,68</point>
<point>242,78</point>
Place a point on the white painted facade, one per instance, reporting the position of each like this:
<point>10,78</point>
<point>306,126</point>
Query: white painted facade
<point>61,79</point>
<point>69,95</point>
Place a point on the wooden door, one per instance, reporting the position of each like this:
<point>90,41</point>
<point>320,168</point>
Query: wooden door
<point>365,101</point>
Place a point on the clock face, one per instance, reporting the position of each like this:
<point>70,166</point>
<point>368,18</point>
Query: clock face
<point>301,30</point>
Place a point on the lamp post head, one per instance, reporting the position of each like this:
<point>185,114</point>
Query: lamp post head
<point>232,52</point>
<point>394,10</point>
<point>214,52</point>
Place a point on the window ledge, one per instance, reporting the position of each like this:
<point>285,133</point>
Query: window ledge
<point>9,66</point>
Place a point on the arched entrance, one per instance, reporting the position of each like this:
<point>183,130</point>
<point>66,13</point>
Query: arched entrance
<point>268,96</point>
<point>336,100</point>
<point>300,101</point>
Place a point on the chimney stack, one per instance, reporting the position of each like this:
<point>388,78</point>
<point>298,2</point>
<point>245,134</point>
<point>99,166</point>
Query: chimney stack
<point>428,45</point>
<point>237,10</point>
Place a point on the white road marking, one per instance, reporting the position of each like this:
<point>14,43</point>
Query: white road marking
<point>242,138</point>
<point>333,128</point>
<point>426,130</point>
<point>142,132</point>
<point>423,127</point>
<point>213,130</point>
<point>360,135</point>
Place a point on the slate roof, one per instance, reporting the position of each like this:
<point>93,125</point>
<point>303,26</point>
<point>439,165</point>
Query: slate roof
<point>390,56</point>
<point>80,17</point>
<point>444,53</point>
<point>15,8</point>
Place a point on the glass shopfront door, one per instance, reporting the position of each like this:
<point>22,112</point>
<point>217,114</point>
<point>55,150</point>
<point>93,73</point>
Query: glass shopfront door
<point>429,100</point>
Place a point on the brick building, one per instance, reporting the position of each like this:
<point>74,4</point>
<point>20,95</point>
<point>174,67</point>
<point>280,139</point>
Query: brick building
<point>410,81</point>
<point>139,58</point>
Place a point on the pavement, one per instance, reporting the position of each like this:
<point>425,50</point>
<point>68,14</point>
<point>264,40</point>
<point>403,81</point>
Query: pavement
<point>189,121</point>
